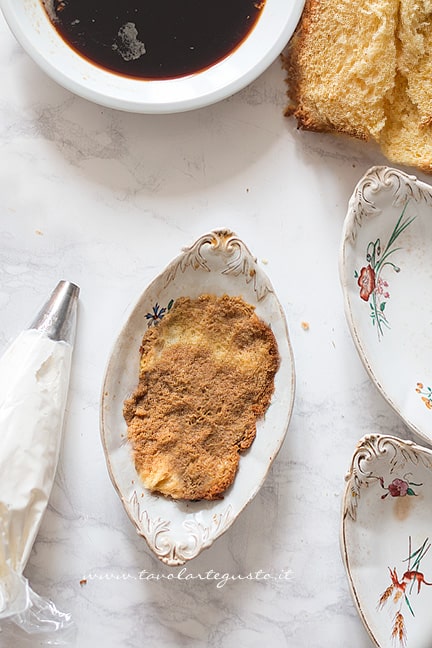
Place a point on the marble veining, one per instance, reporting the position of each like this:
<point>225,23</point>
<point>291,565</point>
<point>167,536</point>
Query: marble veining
<point>106,200</point>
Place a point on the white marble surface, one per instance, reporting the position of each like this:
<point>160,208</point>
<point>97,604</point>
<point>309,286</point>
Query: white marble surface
<point>106,199</point>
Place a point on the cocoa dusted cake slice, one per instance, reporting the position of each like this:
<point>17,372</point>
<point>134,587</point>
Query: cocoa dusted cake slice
<point>206,376</point>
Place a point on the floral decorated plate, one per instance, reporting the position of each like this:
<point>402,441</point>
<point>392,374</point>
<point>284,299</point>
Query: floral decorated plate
<point>386,540</point>
<point>386,275</point>
<point>177,531</point>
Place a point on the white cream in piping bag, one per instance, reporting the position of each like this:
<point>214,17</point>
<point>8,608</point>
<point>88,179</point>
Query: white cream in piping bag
<point>34,381</point>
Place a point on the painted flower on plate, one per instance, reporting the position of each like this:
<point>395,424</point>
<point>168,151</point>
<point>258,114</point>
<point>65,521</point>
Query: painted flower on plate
<point>373,286</point>
<point>398,488</point>
<point>401,589</point>
<point>426,394</point>
<point>366,281</point>
<point>157,313</point>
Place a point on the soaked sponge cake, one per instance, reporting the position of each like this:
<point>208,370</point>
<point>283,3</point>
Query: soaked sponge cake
<point>206,376</point>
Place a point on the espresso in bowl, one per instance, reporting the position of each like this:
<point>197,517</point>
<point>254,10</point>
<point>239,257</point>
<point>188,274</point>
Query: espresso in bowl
<point>147,57</point>
<point>154,40</point>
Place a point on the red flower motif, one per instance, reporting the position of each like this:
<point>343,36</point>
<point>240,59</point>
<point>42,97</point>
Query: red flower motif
<point>398,488</point>
<point>366,281</point>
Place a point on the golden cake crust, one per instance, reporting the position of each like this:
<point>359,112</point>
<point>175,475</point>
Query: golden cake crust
<point>364,68</point>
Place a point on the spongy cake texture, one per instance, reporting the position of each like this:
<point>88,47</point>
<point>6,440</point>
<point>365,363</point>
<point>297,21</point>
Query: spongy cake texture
<point>364,68</point>
<point>206,375</point>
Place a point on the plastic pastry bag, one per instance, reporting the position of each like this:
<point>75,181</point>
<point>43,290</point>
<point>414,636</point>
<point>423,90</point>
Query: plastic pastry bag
<point>34,381</point>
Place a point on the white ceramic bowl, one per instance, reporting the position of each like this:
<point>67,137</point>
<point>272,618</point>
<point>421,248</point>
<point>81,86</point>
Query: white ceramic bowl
<point>29,23</point>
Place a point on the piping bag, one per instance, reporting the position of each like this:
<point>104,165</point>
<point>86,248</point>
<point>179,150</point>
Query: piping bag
<point>34,381</point>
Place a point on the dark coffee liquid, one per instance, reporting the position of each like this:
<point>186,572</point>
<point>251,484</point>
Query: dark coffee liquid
<point>154,39</point>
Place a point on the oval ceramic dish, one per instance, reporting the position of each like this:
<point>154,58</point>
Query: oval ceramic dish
<point>176,531</point>
<point>386,540</point>
<point>386,275</point>
<point>29,23</point>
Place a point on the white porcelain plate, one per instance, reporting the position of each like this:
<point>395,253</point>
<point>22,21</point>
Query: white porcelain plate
<point>386,275</point>
<point>217,263</point>
<point>29,23</point>
<point>386,538</point>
